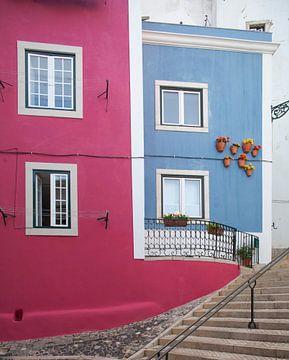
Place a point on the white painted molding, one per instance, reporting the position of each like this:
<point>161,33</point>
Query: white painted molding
<point>137,139</point>
<point>207,42</point>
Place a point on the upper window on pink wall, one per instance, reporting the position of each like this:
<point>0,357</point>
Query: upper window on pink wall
<point>49,80</point>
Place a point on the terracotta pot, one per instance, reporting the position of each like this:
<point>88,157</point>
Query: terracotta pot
<point>249,172</point>
<point>234,149</point>
<point>246,147</point>
<point>216,231</point>
<point>241,163</point>
<point>220,146</point>
<point>254,152</point>
<point>175,222</point>
<point>227,162</point>
<point>246,262</point>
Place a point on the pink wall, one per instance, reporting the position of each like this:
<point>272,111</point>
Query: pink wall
<point>69,284</point>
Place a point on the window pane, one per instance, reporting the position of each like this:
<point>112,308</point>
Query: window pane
<point>34,100</point>
<point>58,101</point>
<point>43,88</point>
<point>34,61</point>
<point>171,196</point>
<point>67,90</point>
<point>64,219</point>
<point>44,75</point>
<point>57,219</point>
<point>67,102</point>
<point>67,77</point>
<point>58,76</point>
<point>192,198</point>
<point>58,64</point>
<point>67,64</point>
<point>191,109</point>
<point>58,89</point>
<point>34,87</point>
<point>63,194</point>
<point>57,180</point>
<point>33,74</point>
<point>170,113</point>
<point>43,100</point>
<point>43,62</point>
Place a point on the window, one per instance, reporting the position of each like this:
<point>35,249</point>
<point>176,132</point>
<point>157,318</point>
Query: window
<point>184,191</point>
<point>261,25</point>
<point>51,199</point>
<point>181,106</point>
<point>49,80</point>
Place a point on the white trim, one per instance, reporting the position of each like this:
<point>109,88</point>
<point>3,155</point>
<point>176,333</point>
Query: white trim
<point>207,42</point>
<point>72,168</point>
<point>184,173</point>
<point>137,142</point>
<point>181,84</point>
<point>22,46</point>
<point>266,235</point>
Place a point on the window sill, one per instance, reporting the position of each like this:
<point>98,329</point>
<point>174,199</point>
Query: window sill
<point>181,128</point>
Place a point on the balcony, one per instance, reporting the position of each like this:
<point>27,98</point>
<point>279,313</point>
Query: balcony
<point>200,239</point>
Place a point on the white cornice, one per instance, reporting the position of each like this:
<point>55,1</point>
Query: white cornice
<point>207,42</point>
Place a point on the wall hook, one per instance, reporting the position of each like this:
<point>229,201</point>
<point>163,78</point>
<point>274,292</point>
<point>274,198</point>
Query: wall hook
<point>2,87</point>
<point>105,92</point>
<point>5,215</point>
<point>105,218</point>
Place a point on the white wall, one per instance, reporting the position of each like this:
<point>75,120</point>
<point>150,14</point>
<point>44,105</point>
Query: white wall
<point>189,12</point>
<point>232,13</point>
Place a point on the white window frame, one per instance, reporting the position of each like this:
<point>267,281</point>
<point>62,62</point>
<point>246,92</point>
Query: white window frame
<point>181,88</point>
<point>266,23</point>
<point>29,191</point>
<point>76,52</point>
<point>170,173</point>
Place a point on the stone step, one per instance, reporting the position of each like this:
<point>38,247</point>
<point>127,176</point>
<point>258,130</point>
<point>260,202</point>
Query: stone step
<point>257,297</point>
<point>267,283</point>
<point>247,305</point>
<point>196,354</point>
<point>239,334</point>
<point>243,313</point>
<point>266,324</point>
<point>265,290</point>
<point>259,348</point>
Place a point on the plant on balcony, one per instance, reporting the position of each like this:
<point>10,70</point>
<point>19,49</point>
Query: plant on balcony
<point>247,144</point>
<point>221,142</point>
<point>245,253</point>
<point>249,168</point>
<point>227,160</point>
<point>242,160</point>
<point>215,229</point>
<point>175,219</point>
<point>234,148</point>
<point>255,150</point>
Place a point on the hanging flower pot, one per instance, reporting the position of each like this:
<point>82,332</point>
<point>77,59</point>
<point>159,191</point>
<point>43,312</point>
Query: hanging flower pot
<point>227,161</point>
<point>246,145</point>
<point>249,168</point>
<point>242,160</point>
<point>175,220</point>
<point>234,148</point>
<point>255,150</point>
<point>221,143</point>
<point>215,229</point>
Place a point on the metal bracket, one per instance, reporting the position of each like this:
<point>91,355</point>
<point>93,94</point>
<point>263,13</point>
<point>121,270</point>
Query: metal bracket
<point>105,218</point>
<point>2,87</point>
<point>5,216</point>
<point>106,94</point>
<point>279,110</point>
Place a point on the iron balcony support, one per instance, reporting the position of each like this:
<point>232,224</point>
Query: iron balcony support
<point>252,324</point>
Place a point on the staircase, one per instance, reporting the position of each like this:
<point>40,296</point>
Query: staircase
<point>226,334</point>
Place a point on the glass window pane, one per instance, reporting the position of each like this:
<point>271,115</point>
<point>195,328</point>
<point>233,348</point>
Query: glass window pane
<point>34,87</point>
<point>33,74</point>
<point>63,206</point>
<point>67,89</point>
<point>43,62</point>
<point>63,194</point>
<point>43,100</point>
<point>63,181</point>
<point>58,89</point>
<point>67,102</point>
<point>67,77</point>
<point>57,193</point>
<point>191,109</point>
<point>43,75</point>
<point>57,206</point>
<point>192,198</point>
<point>34,100</point>
<point>58,64</point>
<point>58,101</point>
<point>67,64</point>
<point>43,88</point>
<point>34,61</point>
<point>171,196</point>
<point>64,219</point>
<point>57,219</point>
<point>170,113</point>
<point>58,76</point>
<point>57,181</point>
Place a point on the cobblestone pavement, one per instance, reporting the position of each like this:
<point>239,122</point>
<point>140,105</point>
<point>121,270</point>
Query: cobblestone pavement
<point>117,343</point>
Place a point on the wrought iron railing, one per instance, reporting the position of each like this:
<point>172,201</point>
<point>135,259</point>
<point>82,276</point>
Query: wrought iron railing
<point>200,238</point>
<point>164,351</point>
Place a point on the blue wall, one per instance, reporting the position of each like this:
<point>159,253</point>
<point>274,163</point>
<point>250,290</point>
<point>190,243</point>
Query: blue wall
<point>235,109</point>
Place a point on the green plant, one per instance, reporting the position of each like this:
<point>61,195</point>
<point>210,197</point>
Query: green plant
<point>248,141</point>
<point>176,216</point>
<point>213,226</point>
<point>245,252</point>
<point>249,166</point>
<point>224,139</point>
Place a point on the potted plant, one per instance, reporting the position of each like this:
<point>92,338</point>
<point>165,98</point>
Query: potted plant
<point>215,229</point>
<point>245,253</point>
<point>249,168</point>
<point>255,150</point>
<point>221,142</point>
<point>175,219</point>
<point>227,160</point>
<point>247,144</point>
<point>234,148</point>
<point>242,160</point>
